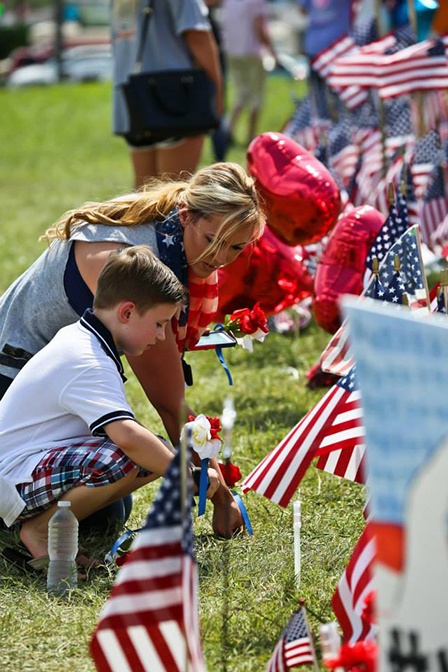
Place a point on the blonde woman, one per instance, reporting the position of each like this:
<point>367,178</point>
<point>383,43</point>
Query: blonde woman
<point>194,226</point>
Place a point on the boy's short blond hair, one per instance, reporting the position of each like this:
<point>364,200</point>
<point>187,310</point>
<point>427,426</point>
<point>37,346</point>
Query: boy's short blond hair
<point>136,274</point>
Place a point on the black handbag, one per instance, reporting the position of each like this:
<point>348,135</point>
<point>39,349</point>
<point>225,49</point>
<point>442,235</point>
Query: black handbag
<point>170,103</point>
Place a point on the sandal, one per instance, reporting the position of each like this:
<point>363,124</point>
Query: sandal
<point>24,561</point>
<point>21,560</point>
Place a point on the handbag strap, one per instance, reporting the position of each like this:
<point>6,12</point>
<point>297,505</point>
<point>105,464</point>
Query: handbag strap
<point>141,43</point>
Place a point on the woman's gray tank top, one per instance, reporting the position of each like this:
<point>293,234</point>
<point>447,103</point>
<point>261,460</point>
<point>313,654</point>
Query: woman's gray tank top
<point>36,306</point>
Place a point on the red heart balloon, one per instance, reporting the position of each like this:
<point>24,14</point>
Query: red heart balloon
<point>341,267</point>
<point>270,272</point>
<point>301,198</point>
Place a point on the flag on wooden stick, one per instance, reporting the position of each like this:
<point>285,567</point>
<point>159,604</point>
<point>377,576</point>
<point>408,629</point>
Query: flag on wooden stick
<point>295,646</point>
<point>337,357</point>
<point>150,621</point>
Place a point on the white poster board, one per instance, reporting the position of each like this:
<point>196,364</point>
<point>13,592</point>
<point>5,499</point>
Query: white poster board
<point>402,369</point>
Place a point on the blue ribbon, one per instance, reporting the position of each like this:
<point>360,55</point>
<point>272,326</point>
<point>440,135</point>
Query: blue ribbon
<point>243,511</point>
<point>113,553</point>
<point>203,486</point>
<point>220,356</point>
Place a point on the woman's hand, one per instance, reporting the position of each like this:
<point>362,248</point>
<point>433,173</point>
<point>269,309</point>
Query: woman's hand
<point>227,518</point>
<point>214,482</point>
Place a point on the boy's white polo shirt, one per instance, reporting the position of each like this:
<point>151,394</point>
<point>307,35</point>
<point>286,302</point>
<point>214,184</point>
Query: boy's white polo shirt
<point>68,390</point>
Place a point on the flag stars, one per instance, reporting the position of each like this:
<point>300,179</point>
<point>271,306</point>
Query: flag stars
<point>169,239</point>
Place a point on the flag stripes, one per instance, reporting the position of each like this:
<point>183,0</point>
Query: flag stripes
<point>150,621</point>
<point>347,463</point>
<point>278,475</point>
<point>355,584</point>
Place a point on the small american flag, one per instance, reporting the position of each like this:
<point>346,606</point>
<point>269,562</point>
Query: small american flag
<point>354,586</point>
<point>335,423</point>
<point>295,646</point>
<point>370,171</point>
<point>337,357</point>
<point>150,620</point>
<point>419,67</point>
<point>322,63</point>
<point>427,154</point>
<point>358,66</point>
<point>380,198</point>
<point>352,96</point>
<point>343,154</point>
<point>394,227</point>
<point>341,451</point>
<point>278,475</point>
<point>435,205</point>
<point>399,132</point>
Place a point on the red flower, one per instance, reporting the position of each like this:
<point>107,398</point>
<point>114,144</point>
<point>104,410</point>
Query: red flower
<point>231,473</point>
<point>215,427</point>
<point>359,656</point>
<point>249,321</point>
<point>368,613</point>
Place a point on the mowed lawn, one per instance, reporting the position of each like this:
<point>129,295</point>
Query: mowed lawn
<point>56,151</point>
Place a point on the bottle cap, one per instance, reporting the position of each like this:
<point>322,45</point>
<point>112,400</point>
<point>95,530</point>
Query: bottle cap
<point>64,503</point>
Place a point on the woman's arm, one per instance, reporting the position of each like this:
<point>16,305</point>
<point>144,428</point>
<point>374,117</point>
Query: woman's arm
<point>91,258</point>
<point>202,45</point>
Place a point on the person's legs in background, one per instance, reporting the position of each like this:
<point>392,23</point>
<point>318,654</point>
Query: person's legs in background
<point>170,158</point>
<point>248,76</point>
<point>257,78</point>
<point>237,76</point>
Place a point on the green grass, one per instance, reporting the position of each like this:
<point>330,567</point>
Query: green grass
<point>56,152</point>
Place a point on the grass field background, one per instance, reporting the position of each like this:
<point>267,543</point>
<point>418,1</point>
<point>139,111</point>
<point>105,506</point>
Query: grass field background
<point>56,151</point>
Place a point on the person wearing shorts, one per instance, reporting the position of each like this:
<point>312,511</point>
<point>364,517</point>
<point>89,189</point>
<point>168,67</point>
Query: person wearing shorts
<point>246,39</point>
<point>179,36</point>
<point>67,431</point>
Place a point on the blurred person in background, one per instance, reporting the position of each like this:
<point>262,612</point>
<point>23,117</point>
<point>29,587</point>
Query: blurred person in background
<point>219,137</point>
<point>245,38</point>
<point>326,22</point>
<point>179,36</point>
<point>440,20</point>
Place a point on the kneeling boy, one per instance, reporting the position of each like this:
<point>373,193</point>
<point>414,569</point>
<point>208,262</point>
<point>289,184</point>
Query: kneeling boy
<point>66,429</point>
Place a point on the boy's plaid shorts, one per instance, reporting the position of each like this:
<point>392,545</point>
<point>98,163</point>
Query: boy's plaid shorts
<point>92,462</point>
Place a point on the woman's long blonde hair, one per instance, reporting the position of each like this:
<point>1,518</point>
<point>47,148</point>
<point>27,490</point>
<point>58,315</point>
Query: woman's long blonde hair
<point>220,189</point>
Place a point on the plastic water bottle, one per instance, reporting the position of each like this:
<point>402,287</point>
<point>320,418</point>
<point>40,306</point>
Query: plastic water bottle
<point>62,550</point>
<point>330,642</point>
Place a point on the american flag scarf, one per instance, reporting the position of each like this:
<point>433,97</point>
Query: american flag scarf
<point>203,292</point>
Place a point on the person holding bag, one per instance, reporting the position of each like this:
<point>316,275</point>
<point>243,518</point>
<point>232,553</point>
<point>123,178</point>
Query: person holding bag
<point>153,37</point>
